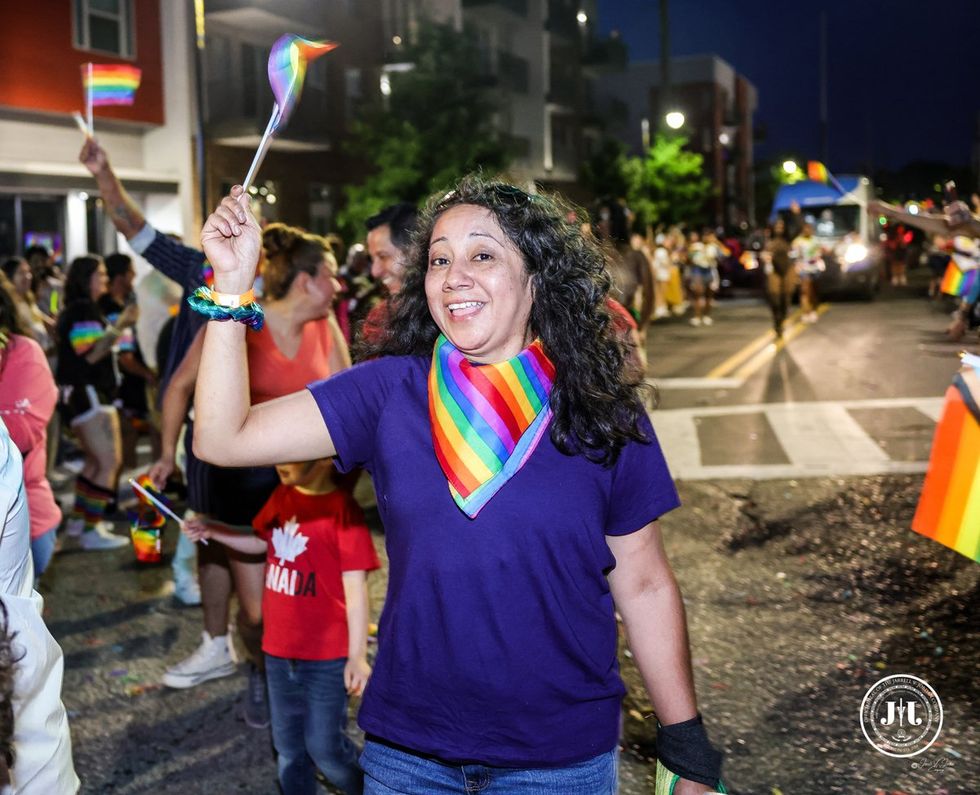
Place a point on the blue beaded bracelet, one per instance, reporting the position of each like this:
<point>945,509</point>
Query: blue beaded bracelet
<point>250,314</point>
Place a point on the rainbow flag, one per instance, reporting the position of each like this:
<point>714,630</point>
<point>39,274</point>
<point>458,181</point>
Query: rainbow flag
<point>111,84</point>
<point>957,282</point>
<point>287,69</point>
<point>949,507</point>
<point>817,172</point>
<point>146,524</point>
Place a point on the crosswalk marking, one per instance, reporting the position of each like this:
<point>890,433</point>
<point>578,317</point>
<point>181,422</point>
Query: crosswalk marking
<point>820,438</point>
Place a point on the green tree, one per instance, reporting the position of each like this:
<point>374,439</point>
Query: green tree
<point>435,126</point>
<point>668,185</point>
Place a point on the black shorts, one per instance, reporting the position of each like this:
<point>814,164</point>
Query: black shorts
<point>79,403</point>
<point>231,495</point>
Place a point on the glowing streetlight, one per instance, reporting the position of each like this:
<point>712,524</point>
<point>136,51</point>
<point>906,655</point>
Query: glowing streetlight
<point>582,17</point>
<point>790,167</point>
<point>675,119</point>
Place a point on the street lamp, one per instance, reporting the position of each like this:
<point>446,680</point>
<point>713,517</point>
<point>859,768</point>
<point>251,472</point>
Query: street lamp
<point>790,167</point>
<point>582,17</point>
<point>675,119</point>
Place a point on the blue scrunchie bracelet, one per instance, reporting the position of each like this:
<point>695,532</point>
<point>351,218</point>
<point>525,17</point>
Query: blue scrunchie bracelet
<point>250,314</point>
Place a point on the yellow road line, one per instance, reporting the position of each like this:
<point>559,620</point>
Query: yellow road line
<point>751,349</point>
<point>761,357</point>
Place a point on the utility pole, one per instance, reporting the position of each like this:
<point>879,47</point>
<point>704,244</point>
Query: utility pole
<point>664,64</point>
<point>824,123</point>
<point>200,149</point>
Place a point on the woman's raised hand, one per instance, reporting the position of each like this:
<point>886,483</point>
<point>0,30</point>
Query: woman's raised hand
<point>231,239</point>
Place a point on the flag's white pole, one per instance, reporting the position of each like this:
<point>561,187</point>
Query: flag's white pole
<point>88,103</point>
<point>81,123</point>
<point>263,148</point>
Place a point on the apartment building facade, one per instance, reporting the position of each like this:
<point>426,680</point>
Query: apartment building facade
<point>46,195</point>
<point>718,106</point>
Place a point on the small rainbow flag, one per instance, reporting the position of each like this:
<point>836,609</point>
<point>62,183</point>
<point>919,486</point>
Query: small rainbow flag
<point>287,69</point>
<point>949,507</point>
<point>818,172</point>
<point>957,282</point>
<point>111,84</point>
<point>146,524</point>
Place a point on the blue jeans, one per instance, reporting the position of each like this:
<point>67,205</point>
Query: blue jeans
<point>308,707</point>
<point>42,548</point>
<point>388,771</point>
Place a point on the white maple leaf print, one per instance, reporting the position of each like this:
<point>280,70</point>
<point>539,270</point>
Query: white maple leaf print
<point>288,542</point>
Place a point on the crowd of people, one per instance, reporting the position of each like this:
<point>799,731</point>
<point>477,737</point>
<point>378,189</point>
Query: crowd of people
<point>500,369</point>
<point>497,405</point>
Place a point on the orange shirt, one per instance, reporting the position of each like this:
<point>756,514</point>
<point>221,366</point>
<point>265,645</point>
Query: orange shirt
<point>271,374</point>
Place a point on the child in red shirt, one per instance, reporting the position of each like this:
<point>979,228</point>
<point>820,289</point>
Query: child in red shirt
<point>315,611</point>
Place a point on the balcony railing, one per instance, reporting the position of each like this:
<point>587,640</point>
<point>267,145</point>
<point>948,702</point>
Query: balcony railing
<point>518,7</point>
<point>513,72</point>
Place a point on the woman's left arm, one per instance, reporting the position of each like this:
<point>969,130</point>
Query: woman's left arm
<point>649,601</point>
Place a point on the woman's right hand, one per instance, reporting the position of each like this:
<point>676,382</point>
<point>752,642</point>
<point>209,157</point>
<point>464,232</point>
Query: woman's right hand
<point>128,317</point>
<point>231,239</point>
<point>196,529</point>
<point>161,471</point>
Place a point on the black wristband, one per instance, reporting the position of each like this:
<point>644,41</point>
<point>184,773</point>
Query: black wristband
<point>684,749</point>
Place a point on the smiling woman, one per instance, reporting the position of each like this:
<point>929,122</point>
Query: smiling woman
<point>519,481</point>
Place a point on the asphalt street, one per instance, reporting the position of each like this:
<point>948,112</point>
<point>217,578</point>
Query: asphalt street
<point>802,579</point>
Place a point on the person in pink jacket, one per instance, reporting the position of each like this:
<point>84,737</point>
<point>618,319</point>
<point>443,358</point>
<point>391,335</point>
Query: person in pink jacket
<point>28,396</point>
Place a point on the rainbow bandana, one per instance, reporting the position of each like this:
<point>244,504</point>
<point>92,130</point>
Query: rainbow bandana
<point>486,419</point>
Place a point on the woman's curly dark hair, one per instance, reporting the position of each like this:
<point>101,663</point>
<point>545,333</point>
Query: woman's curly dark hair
<point>596,401</point>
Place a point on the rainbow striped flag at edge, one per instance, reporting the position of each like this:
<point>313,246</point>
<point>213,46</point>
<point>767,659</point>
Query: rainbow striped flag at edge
<point>111,84</point>
<point>949,507</point>
<point>957,282</point>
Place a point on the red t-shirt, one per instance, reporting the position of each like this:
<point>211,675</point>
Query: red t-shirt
<point>271,374</point>
<point>313,539</point>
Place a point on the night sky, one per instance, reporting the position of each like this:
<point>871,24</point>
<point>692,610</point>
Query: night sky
<point>903,76</point>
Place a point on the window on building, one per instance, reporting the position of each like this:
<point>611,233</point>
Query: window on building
<point>105,26</point>
<point>353,91</point>
<point>316,74</point>
<point>8,226</point>
<point>321,209</point>
<point>251,75</point>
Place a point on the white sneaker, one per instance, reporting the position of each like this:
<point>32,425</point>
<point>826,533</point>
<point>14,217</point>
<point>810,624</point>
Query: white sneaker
<point>187,591</point>
<point>661,312</point>
<point>74,526</point>
<point>102,537</point>
<point>706,320</point>
<point>213,659</point>
<point>695,321</point>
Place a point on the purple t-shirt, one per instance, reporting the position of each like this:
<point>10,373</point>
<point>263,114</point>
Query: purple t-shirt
<point>497,644</point>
